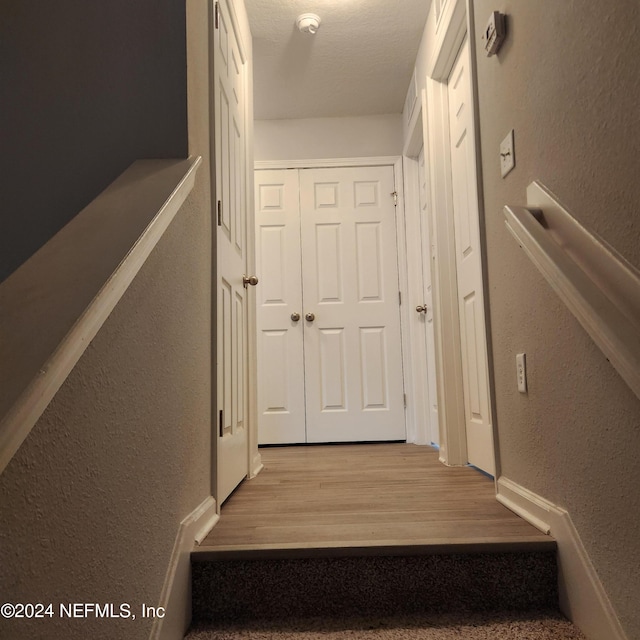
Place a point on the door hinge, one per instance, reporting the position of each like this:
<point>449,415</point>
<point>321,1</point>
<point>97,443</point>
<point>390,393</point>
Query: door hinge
<point>219,213</point>
<point>405,400</point>
<point>216,15</point>
<point>399,297</point>
<point>221,422</point>
<point>395,198</point>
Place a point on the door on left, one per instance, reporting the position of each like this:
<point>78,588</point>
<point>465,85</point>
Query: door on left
<point>230,78</point>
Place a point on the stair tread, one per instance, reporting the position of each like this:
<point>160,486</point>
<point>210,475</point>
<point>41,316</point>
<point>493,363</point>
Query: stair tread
<point>545,625</point>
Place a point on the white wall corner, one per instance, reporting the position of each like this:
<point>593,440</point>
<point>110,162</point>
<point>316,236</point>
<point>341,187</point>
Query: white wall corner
<point>581,594</point>
<point>175,597</point>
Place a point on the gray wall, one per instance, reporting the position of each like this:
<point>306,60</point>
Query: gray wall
<point>87,88</point>
<point>568,81</point>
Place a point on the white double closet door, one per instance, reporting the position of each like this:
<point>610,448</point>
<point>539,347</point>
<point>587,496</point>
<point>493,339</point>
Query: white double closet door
<point>328,320</point>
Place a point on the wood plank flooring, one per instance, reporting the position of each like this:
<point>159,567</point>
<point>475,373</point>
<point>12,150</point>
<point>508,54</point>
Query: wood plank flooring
<point>392,498</point>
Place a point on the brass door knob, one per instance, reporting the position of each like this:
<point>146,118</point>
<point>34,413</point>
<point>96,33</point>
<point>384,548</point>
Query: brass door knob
<point>295,316</point>
<point>249,280</point>
<point>310,317</point>
<point>421,308</point>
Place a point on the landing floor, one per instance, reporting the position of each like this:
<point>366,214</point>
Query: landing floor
<point>374,498</point>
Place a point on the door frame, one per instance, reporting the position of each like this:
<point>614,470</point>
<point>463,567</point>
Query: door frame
<point>396,162</point>
<point>455,24</point>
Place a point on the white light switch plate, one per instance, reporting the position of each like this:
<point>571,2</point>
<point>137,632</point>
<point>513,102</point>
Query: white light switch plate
<point>507,154</point>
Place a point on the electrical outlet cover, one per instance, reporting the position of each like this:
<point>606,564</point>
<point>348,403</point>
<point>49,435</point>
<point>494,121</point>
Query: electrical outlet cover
<point>521,371</point>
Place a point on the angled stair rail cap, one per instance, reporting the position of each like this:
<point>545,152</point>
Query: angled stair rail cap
<point>598,285</point>
<point>55,303</point>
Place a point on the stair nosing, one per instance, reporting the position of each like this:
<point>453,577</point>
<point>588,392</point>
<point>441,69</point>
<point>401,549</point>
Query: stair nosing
<point>360,549</point>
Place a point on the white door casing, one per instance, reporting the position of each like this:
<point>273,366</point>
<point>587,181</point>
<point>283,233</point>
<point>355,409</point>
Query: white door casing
<point>230,77</point>
<point>475,369</point>
<point>352,347</point>
<point>281,407</point>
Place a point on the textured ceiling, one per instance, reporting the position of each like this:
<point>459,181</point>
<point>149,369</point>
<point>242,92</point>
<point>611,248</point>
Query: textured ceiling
<point>359,63</point>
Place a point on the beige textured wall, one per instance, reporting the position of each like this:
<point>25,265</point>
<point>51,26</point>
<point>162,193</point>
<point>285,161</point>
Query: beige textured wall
<point>313,138</point>
<point>92,501</point>
<point>568,81</point>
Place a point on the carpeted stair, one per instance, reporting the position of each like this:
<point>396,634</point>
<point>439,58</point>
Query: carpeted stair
<point>499,595</point>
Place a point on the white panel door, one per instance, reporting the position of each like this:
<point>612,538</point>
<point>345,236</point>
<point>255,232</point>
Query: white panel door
<point>469,266</point>
<point>353,362</point>
<point>230,163</point>
<point>427,315</point>
<point>281,411</point>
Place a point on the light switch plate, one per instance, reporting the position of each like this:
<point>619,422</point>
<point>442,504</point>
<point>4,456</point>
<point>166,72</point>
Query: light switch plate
<point>507,154</point>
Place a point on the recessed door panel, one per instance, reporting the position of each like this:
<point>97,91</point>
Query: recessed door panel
<point>469,322</point>
<point>370,264</point>
<point>225,153</point>
<point>329,262</point>
<point>464,242</point>
<point>271,240</point>
<point>366,194</point>
<point>274,372</point>
<point>270,197</point>
<point>237,189</point>
<point>239,368</point>
<point>373,368</point>
<point>225,354</point>
<point>325,195</point>
<point>333,375</point>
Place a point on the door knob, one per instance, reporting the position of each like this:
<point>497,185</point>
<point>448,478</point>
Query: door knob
<point>295,316</point>
<point>249,280</point>
<point>310,317</point>
<point>421,308</point>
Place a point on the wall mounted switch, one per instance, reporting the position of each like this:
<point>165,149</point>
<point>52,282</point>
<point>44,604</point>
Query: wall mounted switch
<point>507,154</point>
<point>521,368</point>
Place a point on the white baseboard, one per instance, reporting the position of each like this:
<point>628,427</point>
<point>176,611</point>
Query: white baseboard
<point>175,597</point>
<point>528,505</point>
<point>582,597</point>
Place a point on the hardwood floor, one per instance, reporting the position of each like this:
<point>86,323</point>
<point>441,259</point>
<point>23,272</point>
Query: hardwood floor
<point>391,498</point>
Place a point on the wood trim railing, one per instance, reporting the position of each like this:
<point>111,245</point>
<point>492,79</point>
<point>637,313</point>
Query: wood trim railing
<point>55,303</point>
<point>599,286</point>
